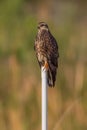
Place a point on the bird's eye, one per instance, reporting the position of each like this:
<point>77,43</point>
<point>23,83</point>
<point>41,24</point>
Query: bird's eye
<point>38,27</point>
<point>42,25</point>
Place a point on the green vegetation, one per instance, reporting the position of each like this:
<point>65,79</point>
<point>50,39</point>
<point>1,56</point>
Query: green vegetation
<point>20,89</point>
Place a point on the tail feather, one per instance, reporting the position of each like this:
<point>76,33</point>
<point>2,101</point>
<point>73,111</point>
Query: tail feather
<point>49,80</point>
<point>53,72</point>
<point>51,76</point>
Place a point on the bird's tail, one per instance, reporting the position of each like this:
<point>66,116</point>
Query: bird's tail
<point>51,76</point>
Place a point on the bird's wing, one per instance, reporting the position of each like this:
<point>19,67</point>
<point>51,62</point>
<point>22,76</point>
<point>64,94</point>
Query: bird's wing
<point>52,51</point>
<point>36,50</point>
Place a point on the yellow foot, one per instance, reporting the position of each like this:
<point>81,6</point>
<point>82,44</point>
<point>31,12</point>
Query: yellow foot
<point>46,66</point>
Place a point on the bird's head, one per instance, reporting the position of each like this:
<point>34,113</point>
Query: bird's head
<point>42,26</point>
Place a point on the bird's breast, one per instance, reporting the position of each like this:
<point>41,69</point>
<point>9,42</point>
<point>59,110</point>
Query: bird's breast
<point>40,57</point>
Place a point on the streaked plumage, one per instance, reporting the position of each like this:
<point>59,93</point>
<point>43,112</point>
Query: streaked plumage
<point>46,49</point>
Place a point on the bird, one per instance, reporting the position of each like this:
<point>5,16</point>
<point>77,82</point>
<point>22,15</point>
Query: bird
<point>46,49</point>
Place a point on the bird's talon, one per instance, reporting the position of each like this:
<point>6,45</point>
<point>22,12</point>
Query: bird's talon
<point>46,66</point>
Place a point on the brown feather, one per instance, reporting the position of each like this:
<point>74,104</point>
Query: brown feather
<point>46,49</point>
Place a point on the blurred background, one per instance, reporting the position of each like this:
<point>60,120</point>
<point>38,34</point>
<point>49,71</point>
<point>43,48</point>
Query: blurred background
<point>20,82</point>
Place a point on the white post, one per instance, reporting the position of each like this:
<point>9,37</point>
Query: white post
<point>44,98</point>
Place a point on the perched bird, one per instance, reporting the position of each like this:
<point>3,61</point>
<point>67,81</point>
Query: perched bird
<point>47,54</point>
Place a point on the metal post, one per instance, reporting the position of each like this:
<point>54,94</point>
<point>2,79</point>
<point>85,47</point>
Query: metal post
<point>44,98</point>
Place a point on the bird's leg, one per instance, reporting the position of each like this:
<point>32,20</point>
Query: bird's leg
<point>46,66</point>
